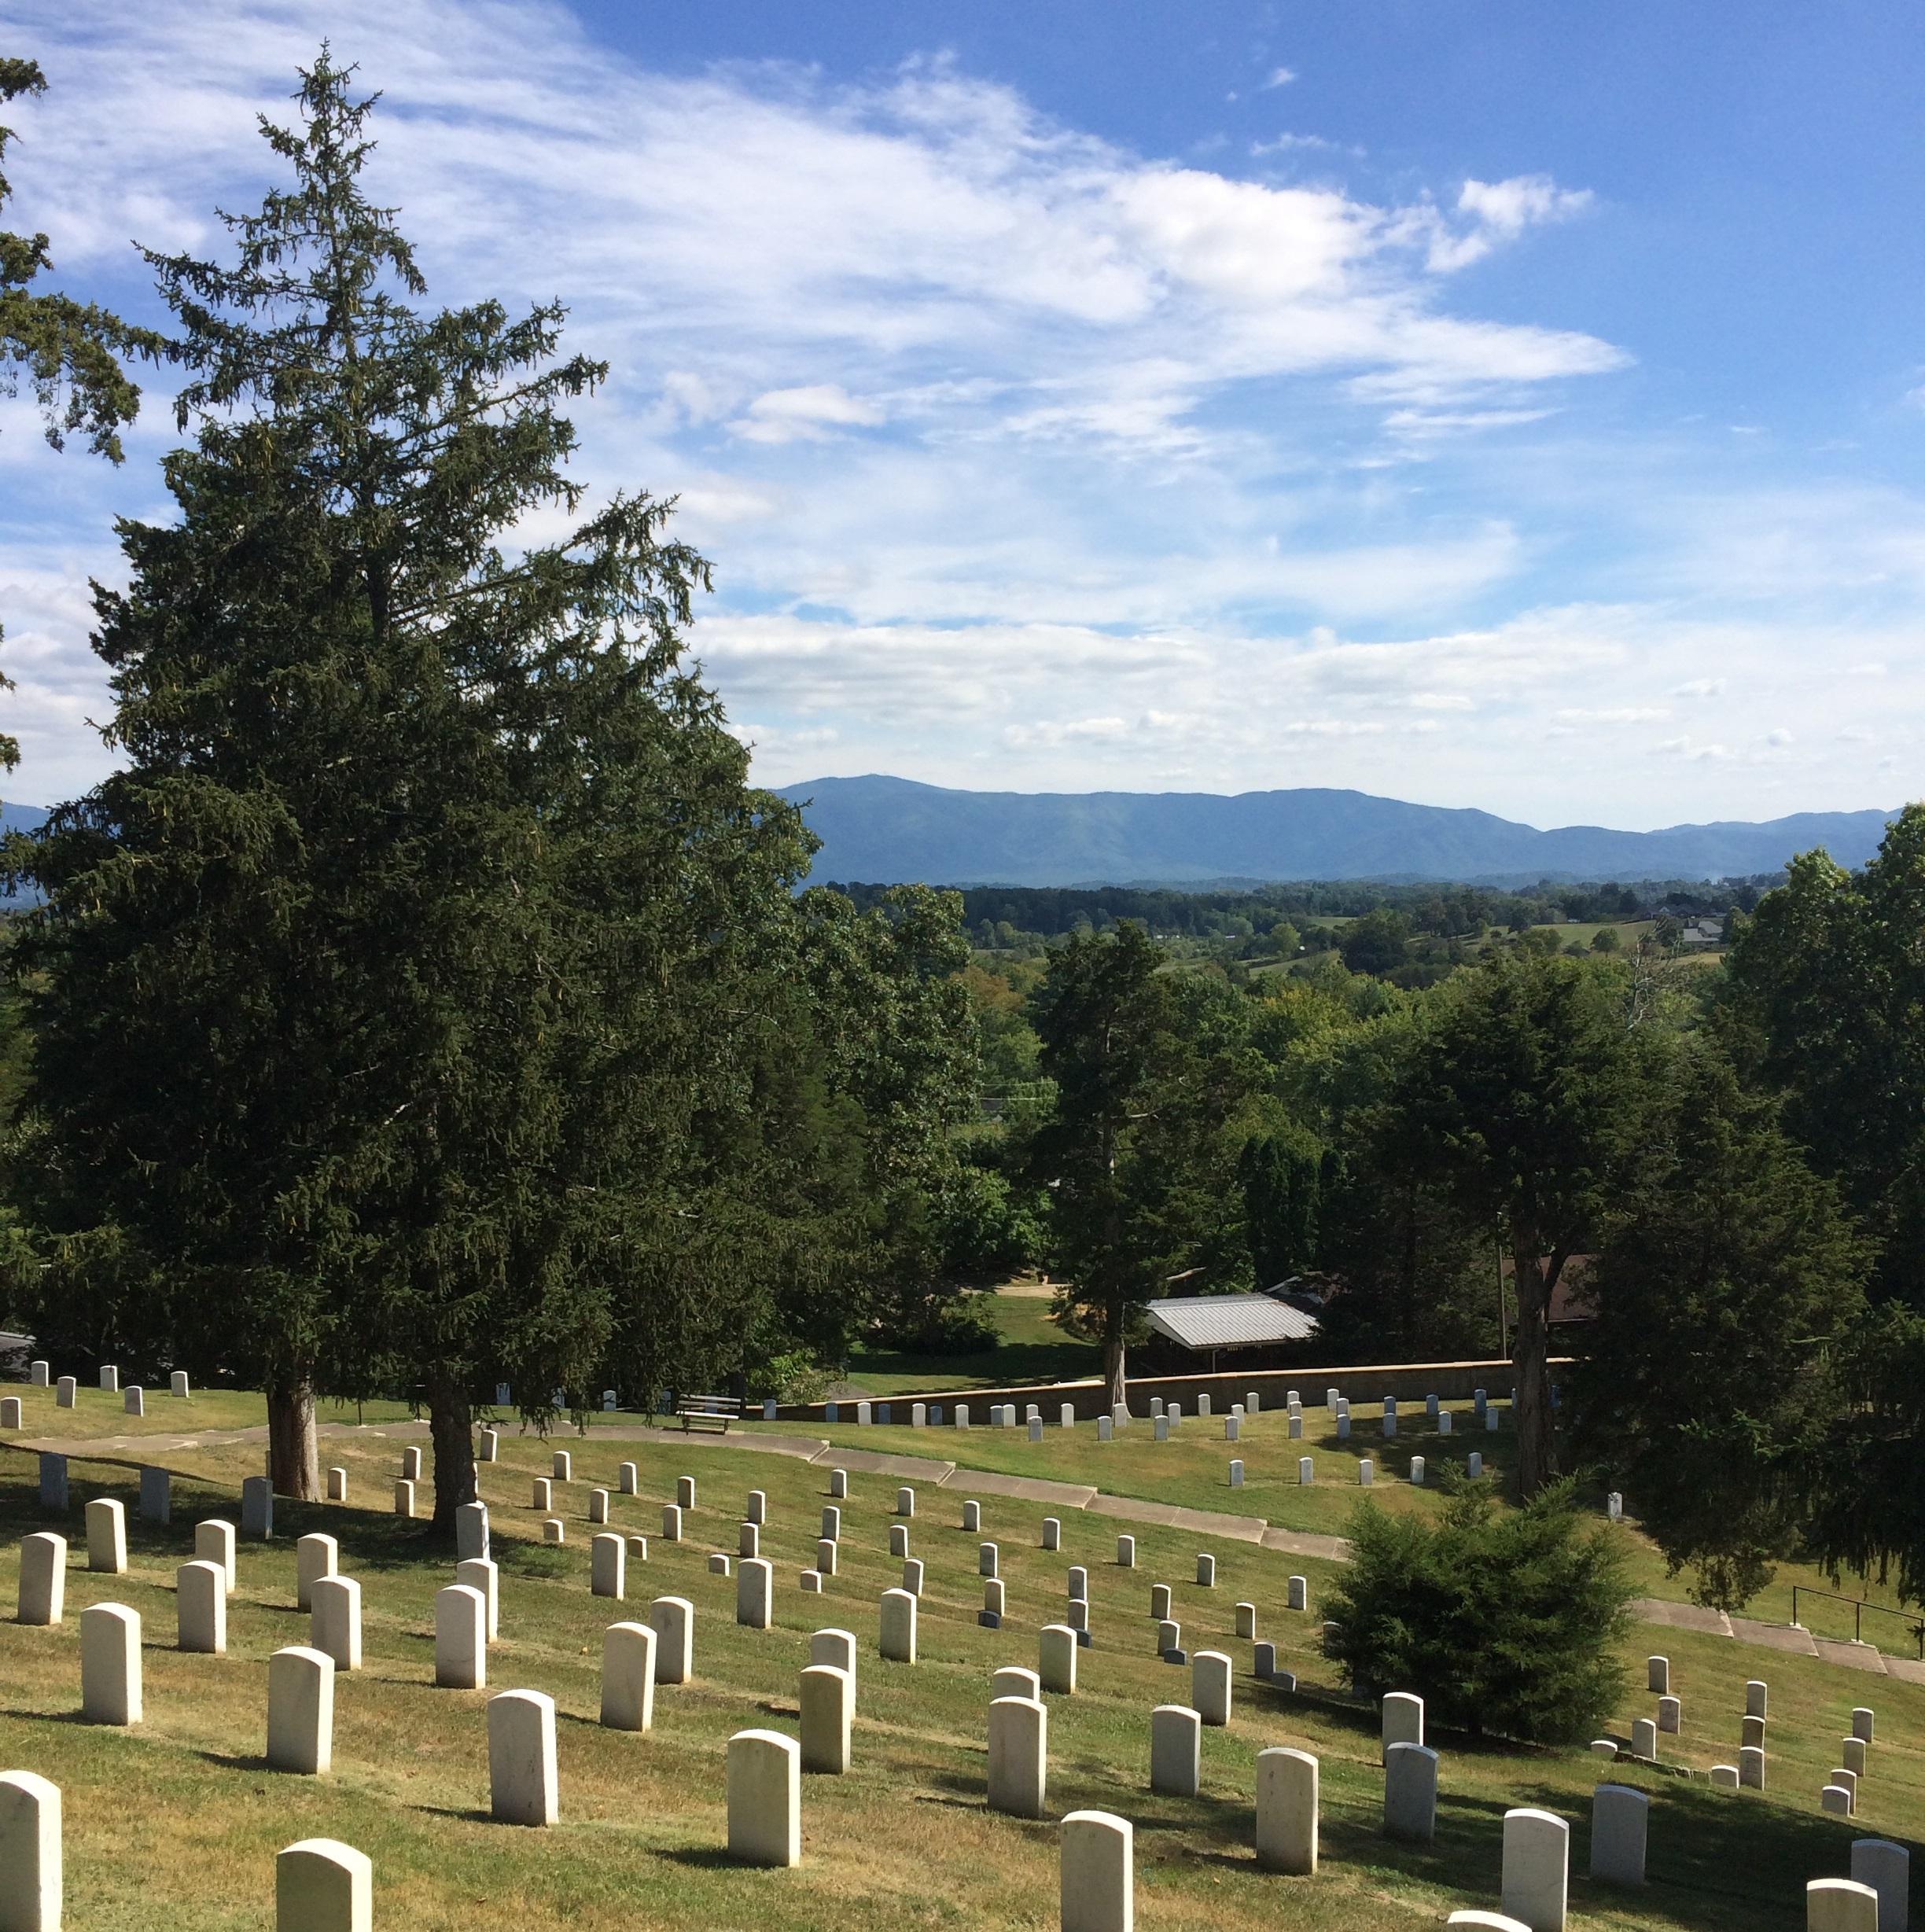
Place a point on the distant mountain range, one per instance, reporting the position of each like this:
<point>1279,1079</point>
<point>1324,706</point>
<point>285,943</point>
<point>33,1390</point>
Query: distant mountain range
<point>879,830</point>
<point>882,830</point>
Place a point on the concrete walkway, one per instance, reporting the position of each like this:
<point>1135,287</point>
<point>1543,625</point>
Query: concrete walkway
<point>1661,1612</point>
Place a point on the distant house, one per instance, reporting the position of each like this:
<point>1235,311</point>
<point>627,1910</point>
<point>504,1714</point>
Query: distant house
<point>1573,1300</point>
<point>1704,931</point>
<point>1247,1327</point>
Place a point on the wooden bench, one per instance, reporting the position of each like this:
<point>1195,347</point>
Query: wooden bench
<point>708,1411</point>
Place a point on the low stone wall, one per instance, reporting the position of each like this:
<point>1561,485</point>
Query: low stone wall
<point>1451,1381</point>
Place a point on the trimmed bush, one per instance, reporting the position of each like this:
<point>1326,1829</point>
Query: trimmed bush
<point>1505,1621</point>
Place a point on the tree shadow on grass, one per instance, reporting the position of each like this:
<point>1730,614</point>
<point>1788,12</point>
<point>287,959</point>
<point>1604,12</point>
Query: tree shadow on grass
<point>1011,1366</point>
<point>1719,1861</point>
<point>952,1788</point>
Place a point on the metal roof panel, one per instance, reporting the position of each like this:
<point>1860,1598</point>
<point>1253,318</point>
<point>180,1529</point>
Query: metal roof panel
<point>1229,1321</point>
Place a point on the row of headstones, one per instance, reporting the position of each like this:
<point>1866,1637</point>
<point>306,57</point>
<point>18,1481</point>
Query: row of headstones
<point>1536,1880</point>
<point>156,1494</point>
<point>1003,1416</point>
<point>323,1885</point>
<point>1841,1791</point>
<point>66,1390</point>
<point>1839,1795</point>
<point>1536,1886</point>
<point>1436,1415</point>
<point>1367,1473</point>
<point>1875,1898</point>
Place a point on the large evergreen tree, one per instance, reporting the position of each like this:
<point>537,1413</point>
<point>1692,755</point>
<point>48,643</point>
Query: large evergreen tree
<point>404,987</point>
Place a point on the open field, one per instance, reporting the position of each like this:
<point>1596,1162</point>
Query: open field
<point>178,1820</point>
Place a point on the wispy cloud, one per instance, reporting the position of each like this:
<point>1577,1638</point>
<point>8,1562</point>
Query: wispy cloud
<point>809,413</point>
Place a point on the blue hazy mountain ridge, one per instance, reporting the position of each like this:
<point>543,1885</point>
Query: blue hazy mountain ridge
<point>879,830</point>
<point>21,817</point>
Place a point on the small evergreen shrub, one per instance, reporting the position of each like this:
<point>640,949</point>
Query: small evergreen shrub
<point>1504,1621</point>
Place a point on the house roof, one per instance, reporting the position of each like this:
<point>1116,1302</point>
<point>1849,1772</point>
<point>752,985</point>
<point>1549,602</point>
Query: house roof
<point>1229,1321</point>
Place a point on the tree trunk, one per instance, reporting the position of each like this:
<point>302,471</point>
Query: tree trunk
<point>1530,1359</point>
<point>450,1429</point>
<point>1114,1359</point>
<point>293,1457</point>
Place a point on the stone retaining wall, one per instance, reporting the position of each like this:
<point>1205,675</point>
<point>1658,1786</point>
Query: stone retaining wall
<point>1451,1381</point>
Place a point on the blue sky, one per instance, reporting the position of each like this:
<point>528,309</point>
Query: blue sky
<point>1492,404</point>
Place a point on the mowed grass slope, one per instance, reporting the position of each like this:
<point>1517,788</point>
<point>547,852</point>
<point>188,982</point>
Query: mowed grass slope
<point>178,1821</point>
<point>1192,1469</point>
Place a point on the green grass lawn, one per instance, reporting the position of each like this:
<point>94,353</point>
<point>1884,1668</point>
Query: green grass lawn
<point>1032,1349</point>
<point>177,1821</point>
<point>96,1413</point>
<point>1192,1469</point>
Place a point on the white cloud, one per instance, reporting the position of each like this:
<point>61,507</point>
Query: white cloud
<point>809,413</point>
<point>1494,212</point>
<point>1279,77</point>
<point>1102,730</point>
<point>1688,748</point>
<point>1303,143</point>
<point>1614,714</point>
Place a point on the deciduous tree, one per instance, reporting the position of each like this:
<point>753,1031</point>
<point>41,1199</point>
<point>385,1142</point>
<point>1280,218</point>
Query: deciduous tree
<point>1523,1096</point>
<point>1152,1071</point>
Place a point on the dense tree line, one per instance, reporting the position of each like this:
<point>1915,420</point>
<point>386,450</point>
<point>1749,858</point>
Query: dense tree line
<point>1027,918</point>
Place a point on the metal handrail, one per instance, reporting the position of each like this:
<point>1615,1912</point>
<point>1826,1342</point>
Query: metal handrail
<point>1860,1605</point>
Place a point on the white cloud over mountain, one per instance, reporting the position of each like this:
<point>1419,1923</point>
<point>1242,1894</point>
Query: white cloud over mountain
<point>1024,459</point>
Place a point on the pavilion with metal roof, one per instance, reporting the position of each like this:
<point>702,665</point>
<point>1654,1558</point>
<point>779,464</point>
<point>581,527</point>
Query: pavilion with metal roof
<point>1204,1324</point>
